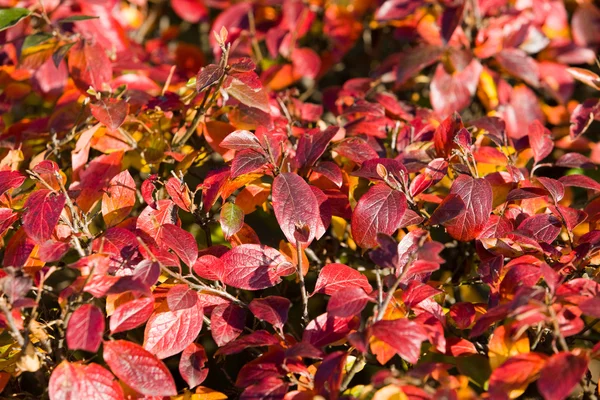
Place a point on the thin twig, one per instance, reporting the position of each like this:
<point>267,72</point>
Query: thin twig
<point>305,317</point>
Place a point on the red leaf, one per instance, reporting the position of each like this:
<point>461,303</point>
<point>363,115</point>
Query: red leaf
<point>110,112</point>
<point>403,335</point>
<point>295,207</point>
<point>190,10</point>
<point>138,368</point>
<point>209,267</point>
<point>328,378</point>
<point>517,63</point>
<point>581,181</point>
<point>247,95</point>
<point>586,76</point>
<point>168,333</point>
<point>242,140</point>
<point>89,66</point>
<point>476,194</point>
<point>192,365</point>
<point>582,117</point>
<point>457,347</point>
<point>554,187</point>
<point>540,140</point>
<point>181,242</point>
<point>415,60</point>
<point>131,314</point>
<point>334,277</point>
<point>451,207</point>
<point>327,329</point>
<point>270,387</point>
<point>306,62</point>
<point>181,297</point>
<point>247,161</point>
<point>43,212</point>
<point>85,328</point>
<point>463,315</point>
<point>542,227</point>
<point>255,339</point>
<point>255,267</point>
<point>273,309</point>
<point>396,9</point>
<point>95,178</point>
<point>562,372</point>
<point>10,180</point>
<point>453,92</point>
<point>380,210</point>
<point>227,322</point>
<point>515,374</point>
<point>119,198</point>
<point>208,76</point>
<point>70,381</point>
<point>355,149</point>
<point>180,194</point>
<point>152,219</point>
<point>347,302</point>
<point>331,171</point>
<point>575,160</point>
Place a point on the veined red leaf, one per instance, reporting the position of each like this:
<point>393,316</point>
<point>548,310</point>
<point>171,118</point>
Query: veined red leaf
<point>575,160</point>
<point>227,322</point>
<point>70,381</point>
<point>477,196</point>
<point>355,149</point>
<point>138,368</point>
<point>180,193</point>
<point>270,387</point>
<point>562,372</point>
<point>331,171</point>
<point>231,219</point>
<point>540,140</point>
<point>10,180</point>
<point>168,333</point>
<point>273,309</point>
<point>327,329</point>
<point>453,92</point>
<point>248,96</point>
<point>295,207</point>
<point>85,328</point>
<point>519,64</point>
<point>181,242</point>
<point>152,219</point>
<point>347,302</point>
<point>403,335</point>
<point>554,187</point>
<point>208,75</point>
<point>255,339</point>
<point>247,161</point>
<point>380,210</point>
<point>334,277</point>
<point>95,178</point>
<point>131,314</point>
<point>118,199</point>
<point>192,365</point>
<point>242,140</point>
<point>110,112</point>
<point>181,297</point>
<point>451,207</point>
<point>210,267</point>
<point>306,63</point>
<point>43,212</point>
<point>542,227</point>
<point>581,181</point>
<point>89,66</point>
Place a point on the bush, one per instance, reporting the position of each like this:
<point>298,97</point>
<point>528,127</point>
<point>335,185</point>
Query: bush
<point>296,200</point>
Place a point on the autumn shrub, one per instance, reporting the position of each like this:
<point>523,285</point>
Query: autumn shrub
<point>285,199</point>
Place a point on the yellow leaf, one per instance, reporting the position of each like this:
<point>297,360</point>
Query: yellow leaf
<point>502,346</point>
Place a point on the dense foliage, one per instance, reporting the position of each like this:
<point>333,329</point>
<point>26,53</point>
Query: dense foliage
<point>288,199</point>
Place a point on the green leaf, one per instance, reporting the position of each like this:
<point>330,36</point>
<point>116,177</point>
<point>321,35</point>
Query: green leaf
<point>11,16</point>
<point>231,219</point>
<point>59,54</point>
<point>75,18</point>
<point>35,39</point>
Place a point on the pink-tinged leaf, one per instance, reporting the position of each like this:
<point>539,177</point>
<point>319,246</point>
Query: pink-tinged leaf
<point>582,117</point>
<point>331,171</point>
<point>272,309</point>
<point>190,10</point>
<point>562,372</point>
<point>208,76</point>
<point>451,207</point>
<point>118,199</point>
<point>295,207</point>
<point>181,297</point>
<point>242,140</point>
<point>403,335</point>
<point>209,267</point>
<point>457,347</point>
<point>540,140</point>
<point>526,193</point>
<point>586,76</point>
<point>516,373</point>
<point>325,212</point>
<point>247,161</point>
<point>380,210</point>
<point>255,339</point>
<point>85,328</point>
<point>334,277</point>
<point>519,64</point>
<point>443,136</point>
<point>89,66</point>
<point>463,315</point>
<point>180,193</point>
<point>327,329</point>
<point>554,187</point>
<point>10,180</point>
<point>168,333</point>
<point>306,63</point>
<point>580,181</point>
<point>43,212</point>
<point>396,9</point>
<point>254,267</point>
<point>147,272</point>
<point>416,292</point>
<point>453,92</point>
<point>148,188</point>
<point>192,365</point>
<point>347,302</point>
<point>227,322</point>
<point>138,368</point>
<point>477,196</point>
<point>131,314</point>
<point>49,251</point>
<point>312,144</point>
<point>247,95</point>
<point>18,249</point>
<point>575,160</point>
<point>356,149</point>
<point>270,387</point>
<point>212,186</point>
<point>110,112</point>
<point>542,227</point>
<point>181,242</point>
<point>71,381</point>
<point>231,219</point>
<point>415,60</point>
<point>152,219</point>
<point>95,178</point>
